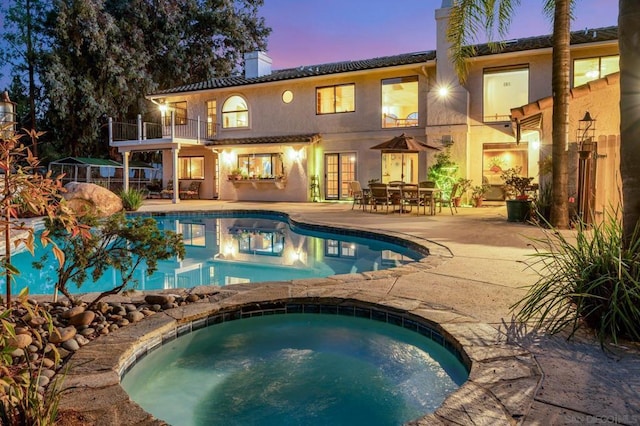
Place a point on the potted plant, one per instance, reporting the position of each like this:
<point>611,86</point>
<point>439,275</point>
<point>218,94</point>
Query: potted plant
<point>235,174</point>
<point>518,207</point>
<point>477,194</point>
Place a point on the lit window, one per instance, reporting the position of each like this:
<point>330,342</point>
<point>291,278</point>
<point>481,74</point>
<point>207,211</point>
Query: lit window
<point>400,102</point>
<point>180,113</point>
<point>191,168</point>
<point>211,119</point>
<point>335,99</point>
<point>235,113</point>
<point>589,69</point>
<point>504,89</point>
<point>261,165</point>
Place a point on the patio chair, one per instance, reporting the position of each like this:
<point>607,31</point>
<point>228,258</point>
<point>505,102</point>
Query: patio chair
<point>380,196</point>
<point>168,191</point>
<point>358,194</point>
<point>192,191</point>
<point>410,196</point>
<point>448,200</point>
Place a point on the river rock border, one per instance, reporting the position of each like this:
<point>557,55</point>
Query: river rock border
<point>502,381</point>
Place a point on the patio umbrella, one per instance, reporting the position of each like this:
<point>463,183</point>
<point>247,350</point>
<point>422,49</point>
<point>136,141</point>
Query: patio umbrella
<point>404,144</point>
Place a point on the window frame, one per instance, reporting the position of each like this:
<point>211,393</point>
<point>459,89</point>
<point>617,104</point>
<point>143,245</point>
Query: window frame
<point>399,122</point>
<point>224,113</point>
<point>181,115</point>
<point>212,116</point>
<point>599,58</point>
<point>498,70</point>
<point>335,97</point>
<point>276,162</point>
<point>189,175</point>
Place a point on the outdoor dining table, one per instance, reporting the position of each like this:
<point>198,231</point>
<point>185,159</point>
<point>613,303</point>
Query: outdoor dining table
<point>427,195</point>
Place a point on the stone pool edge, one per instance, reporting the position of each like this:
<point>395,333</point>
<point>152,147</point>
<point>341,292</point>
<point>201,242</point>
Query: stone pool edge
<point>502,381</point>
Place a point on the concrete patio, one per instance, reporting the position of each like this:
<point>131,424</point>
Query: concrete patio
<point>481,271</point>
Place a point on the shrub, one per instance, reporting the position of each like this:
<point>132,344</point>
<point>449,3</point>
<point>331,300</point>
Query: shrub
<point>515,184</point>
<point>594,282</point>
<point>131,199</point>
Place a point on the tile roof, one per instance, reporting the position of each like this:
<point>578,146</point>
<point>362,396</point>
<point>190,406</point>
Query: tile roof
<point>509,46</point>
<point>266,140</point>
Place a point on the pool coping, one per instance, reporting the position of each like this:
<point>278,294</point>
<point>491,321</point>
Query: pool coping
<point>502,382</point>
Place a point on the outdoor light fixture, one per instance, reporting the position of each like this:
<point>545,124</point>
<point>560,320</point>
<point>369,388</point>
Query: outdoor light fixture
<point>586,130</point>
<point>443,91</point>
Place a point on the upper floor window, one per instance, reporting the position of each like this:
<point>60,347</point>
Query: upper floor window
<point>589,69</point>
<point>334,99</point>
<point>503,89</point>
<point>400,102</point>
<point>211,119</point>
<point>191,168</point>
<point>179,110</point>
<point>235,113</point>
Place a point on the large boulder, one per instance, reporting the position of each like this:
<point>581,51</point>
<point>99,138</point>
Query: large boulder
<point>90,198</point>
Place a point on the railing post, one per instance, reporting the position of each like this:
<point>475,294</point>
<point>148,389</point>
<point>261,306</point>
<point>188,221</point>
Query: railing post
<point>125,174</point>
<point>110,127</point>
<point>198,130</point>
<point>139,127</point>
<point>173,125</point>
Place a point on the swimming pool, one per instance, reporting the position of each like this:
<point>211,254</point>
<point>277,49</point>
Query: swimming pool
<point>239,247</point>
<point>298,368</point>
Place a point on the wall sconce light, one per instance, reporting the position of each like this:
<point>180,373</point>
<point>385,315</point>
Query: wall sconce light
<point>228,157</point>
<point>296,154</point>
<point>443,92</point>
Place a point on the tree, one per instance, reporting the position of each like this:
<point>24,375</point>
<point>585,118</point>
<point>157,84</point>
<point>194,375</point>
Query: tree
<point>629,41</point>
<point>468,17</point>
<point>24,34</point>
<point>118,242</point>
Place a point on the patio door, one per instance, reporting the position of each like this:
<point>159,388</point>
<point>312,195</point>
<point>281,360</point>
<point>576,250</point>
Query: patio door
<point>339,170</point>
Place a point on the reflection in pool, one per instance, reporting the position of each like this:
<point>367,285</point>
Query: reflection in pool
<point>243,248</point>
<point>295,369</point>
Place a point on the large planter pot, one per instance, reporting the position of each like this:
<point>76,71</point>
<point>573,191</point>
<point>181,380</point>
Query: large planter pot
<point>518,210</point>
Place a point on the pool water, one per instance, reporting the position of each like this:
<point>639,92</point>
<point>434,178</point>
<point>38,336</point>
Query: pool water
<point>294,369</point>
<point>224,249</point>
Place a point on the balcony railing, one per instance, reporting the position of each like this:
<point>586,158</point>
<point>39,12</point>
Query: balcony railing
<point>138,130</point>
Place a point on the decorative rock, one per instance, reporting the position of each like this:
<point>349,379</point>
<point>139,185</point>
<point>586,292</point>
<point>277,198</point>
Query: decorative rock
<point>63,352</point>
<point>71,345</point>
<point>192,298</point>
<point>43,380</point>
<point>130,307</point>
<point>147,312</point>
<point>83,318</point>
<point>102,307</point>
<point>123,322</point>
<point>156,308</point>
<point>91,198</point>
<point>17,353</point>
<point>135,316</point>
<point>47,363</point>
<point>72,312</point>
<point>21,341</point>
<point>113,327</point>
<point>169,306</point>
<point>159,299</point>
<point>88,331</point>
<point>37,321</point>
<point>104,331</point>
<point>60,334</point>
<point>46,372</point>
<point>81,340</point>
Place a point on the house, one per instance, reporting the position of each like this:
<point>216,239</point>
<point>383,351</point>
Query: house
<point>291,132</point>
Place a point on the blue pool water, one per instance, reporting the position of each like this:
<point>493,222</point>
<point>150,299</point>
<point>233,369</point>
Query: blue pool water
<point>295,369</point>
<point>223,249</point>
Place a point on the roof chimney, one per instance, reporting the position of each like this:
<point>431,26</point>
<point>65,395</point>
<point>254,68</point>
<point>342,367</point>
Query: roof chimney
<point>256,64</point>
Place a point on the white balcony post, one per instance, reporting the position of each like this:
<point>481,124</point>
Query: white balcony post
<point>110,127</point>
<point>173,125</point>
<point>125,164</point>
<point>139,127</point>
<point>198,131</point>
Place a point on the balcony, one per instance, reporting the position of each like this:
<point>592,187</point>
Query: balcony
<point>169,130</point>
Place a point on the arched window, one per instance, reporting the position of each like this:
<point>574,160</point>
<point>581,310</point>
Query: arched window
<point>235,113</point>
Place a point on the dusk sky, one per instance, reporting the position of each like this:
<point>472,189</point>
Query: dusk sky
<point>316,32</point>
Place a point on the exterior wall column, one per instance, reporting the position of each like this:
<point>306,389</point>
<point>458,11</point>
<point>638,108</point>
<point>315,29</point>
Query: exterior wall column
<point>125,172</point>
<point>174,175</point>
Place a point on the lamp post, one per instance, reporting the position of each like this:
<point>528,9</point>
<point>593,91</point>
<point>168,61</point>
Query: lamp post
<point>7,132</point>
<point>587,147</point>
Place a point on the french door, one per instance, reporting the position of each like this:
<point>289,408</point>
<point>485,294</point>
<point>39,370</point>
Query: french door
<point>339,170</point>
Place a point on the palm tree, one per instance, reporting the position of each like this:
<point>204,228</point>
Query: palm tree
<point>468,17</point>
<point>628,39</point>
